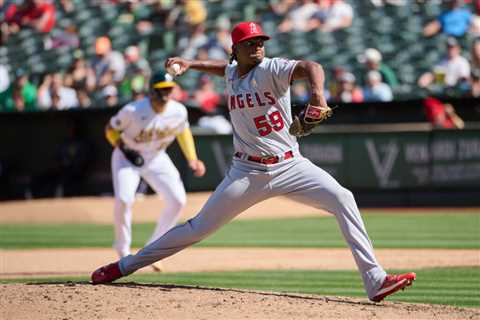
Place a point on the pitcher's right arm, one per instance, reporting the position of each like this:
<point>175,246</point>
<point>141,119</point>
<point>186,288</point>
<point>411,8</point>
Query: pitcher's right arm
<point>215,67</point>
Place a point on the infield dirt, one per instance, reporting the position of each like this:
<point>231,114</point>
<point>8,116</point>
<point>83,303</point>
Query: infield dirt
<point>142,301</point>
<point>136,301</point>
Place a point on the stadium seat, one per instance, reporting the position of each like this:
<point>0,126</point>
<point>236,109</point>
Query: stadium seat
<point>396,31</point>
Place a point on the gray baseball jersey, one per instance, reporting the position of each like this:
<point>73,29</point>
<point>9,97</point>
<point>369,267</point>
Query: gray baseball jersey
<point>259,105</point>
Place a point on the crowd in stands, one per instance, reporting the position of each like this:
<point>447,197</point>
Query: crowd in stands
<point>111,65</point>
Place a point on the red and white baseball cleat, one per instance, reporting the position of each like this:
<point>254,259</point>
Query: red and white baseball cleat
<point>394,283</point>
<point>106,274</point>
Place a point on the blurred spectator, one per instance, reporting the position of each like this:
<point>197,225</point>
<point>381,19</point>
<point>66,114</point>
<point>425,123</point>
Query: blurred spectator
<point>335,82</point>
<point>348,91</point>
<point>21,95</point>
<point>36,14</point>
<point>381,3</point>
<point>53,94</point>
<point>339,15</point>
<point>186,13</point>
<point>133,87</point>
<point>219,45</point>
<point>138,92</point>
<point>189,44</point>
<point>108,65</point>
<point>4,4</point>
<point>475,24</point>
<point>208,100</point>
<point>157,16</point>
<point>195,11</point>
<point>134,13</point>
<point>281,7</point>
<point>454,21</point>
<point>475,84</point>
<point>202,54</point>
<point>185,23</point>
<point>475,68</point>
<point>297,16</point>
<point>180,95</point>
<point>320,15</point>
<point>475,55</point>
<point>205,95</point>
<point>80,78</point>
<point>4,78</point>
<point>376,90</point>
<point>300,93</point>
<point>4,27</point>
<point>63,38</point>
<point>136,62</point>
<point>372,59</point>
<point>454,70</point>
<point>110,96</point>
<point>67,6</point>
<point>435,2</point>
<point>128,14</point>
<point>136,75</point>
<point>442,115</point>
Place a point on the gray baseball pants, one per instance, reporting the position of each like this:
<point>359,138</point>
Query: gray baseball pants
<point>244,186</point>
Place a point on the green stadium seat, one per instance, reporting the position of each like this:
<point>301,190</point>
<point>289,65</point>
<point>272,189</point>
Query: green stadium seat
<point>39,68</point>
<point>109,12</point>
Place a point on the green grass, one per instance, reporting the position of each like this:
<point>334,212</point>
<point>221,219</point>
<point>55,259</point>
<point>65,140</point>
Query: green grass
<point>452,231</point>
<point>452,286</point>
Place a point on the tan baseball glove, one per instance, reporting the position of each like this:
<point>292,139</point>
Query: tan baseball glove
<point>308,119</point>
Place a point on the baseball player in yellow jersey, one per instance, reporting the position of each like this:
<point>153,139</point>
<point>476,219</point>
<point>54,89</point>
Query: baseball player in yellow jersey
<point>267,161</point>
<point>140,133</point>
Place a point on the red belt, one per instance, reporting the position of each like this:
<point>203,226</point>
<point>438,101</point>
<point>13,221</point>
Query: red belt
<point>265,160</point>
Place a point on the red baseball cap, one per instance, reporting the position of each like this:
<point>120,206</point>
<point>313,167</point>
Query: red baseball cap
<point>247,30</point>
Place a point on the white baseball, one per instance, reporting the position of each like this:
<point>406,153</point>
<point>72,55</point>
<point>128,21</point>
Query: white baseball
<point>174,69</point>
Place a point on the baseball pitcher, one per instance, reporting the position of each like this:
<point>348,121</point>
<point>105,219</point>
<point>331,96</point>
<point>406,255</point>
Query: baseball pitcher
<point>140,133</point>
<point>267,161</point>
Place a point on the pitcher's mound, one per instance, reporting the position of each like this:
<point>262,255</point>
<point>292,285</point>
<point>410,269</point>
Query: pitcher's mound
<point>142,301</point>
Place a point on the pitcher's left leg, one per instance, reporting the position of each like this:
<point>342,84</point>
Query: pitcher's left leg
<point>315,187</point>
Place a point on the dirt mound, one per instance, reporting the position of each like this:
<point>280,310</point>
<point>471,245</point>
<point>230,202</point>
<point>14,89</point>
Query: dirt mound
<point>141,301</point>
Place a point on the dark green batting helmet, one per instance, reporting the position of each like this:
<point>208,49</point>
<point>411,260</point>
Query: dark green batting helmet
<point>161,80</point>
